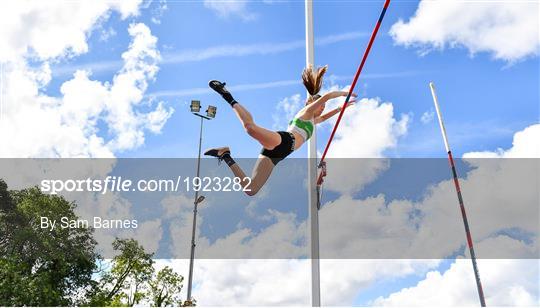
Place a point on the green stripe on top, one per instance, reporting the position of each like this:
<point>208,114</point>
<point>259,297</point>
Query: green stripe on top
<point>304,125</point>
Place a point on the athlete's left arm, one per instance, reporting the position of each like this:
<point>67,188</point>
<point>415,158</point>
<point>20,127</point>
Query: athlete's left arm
<point>331,113</point>
<point>323,99</point>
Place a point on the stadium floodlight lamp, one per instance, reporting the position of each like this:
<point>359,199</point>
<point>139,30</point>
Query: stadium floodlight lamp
<point>195,106</point>
<point>211,111</point>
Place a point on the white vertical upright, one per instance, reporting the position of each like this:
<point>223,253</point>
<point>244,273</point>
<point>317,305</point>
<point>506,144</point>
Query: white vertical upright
<point>312,175</point>
<point>439,116</point>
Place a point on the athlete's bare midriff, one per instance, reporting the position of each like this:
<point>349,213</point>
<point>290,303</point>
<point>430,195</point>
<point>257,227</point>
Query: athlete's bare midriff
<point>298,140</point>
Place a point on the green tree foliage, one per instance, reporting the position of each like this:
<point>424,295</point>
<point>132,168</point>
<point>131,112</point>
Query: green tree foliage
<point>165,288</point>
<point>59,267</point>
<point>40,267</point>
<point>132,279</point>
<point>125,283</point>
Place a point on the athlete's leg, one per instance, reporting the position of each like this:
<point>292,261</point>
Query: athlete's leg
<point>267,138</point>
<point>260,174</point>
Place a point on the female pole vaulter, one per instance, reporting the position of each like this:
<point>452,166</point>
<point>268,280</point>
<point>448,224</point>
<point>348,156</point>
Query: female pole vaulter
<point>277,145</point>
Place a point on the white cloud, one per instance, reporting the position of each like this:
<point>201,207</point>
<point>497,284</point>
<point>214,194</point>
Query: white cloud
<point>49,29</point>
<point>128,88</point>
<point>126,7</point>
<point>432,227</point>
<point>251,208</point>
<point>285,111</point>
<point>247,282</point>
<point>155,120</point>
<point>427,117</point>
<point>106,34</point>
<point>488,189</point>
<point>285,232</point>
<point>148,234</point>
<point>508,30</point>
<point>526,144</point>
<point>505,282</point>
<point>367,130</point>
<point>179,209</point>
<point>158,11</point>
<point>175,205</point>
<point>516,248</point>
<point>38,125</point>
<point>252,282</point>
<point>343,280</point>
<point>231,8</point>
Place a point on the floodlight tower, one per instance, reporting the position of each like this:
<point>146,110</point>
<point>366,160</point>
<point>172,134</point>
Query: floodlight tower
<point>210,114</point>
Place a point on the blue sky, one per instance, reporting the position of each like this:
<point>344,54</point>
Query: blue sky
<point>484,100</point>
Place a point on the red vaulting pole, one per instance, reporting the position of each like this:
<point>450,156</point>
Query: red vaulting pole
<point>460,198</point>
<point>364,57</point>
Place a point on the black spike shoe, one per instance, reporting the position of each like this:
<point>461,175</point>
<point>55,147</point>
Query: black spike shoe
<point>218,153</point>
<point>219,87</point>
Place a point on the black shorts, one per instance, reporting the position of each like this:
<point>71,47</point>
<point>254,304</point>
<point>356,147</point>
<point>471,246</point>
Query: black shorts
<point>284,149</point>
